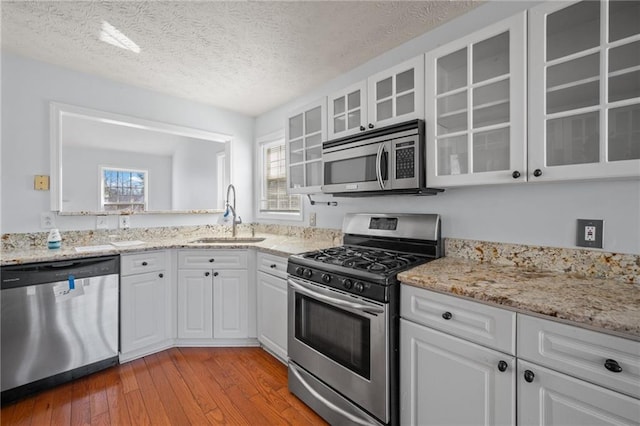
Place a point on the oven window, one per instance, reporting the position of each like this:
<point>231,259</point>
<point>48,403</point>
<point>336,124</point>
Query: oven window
<point>340,335</point>
<point>351,170</point>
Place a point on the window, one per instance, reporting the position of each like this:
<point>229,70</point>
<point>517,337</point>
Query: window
<point>274,198</point>
<point>123,189</point>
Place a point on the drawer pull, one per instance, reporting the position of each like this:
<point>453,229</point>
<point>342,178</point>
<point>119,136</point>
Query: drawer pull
<point>211,260</point>
<point>272,266</point>
<point>206,274</point>
<point>502,366</point>
<point>215,274</point>
<point>161,275</point>
<point>447,316</point>
<point>612,365</point>
<point>144,263</point>
<point>528,376</point>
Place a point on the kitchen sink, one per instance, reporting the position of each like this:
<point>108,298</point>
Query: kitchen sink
<point>218,240</point>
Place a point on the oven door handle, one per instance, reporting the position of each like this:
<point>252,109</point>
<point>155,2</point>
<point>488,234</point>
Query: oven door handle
<point>379,167</point>
<point>369,309</point>
<point>350,416</point>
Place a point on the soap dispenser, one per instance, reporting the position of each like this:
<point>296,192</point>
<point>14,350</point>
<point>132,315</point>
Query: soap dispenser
<point>54,241</point>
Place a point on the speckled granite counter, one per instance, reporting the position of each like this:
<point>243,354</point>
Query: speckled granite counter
<point>604,304</point>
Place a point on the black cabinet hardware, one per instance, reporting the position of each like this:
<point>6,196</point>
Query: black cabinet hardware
<point>144,263</point>
<point>447,315</point>
<point>206,274</point>
<point>215,274</point>
<point>161,275</point>
<point>612,365</point>
<point>211,260</point>
<point>537,172</point>
<point>528,376</point>
<point>502,366</point>
<point>515,174</point>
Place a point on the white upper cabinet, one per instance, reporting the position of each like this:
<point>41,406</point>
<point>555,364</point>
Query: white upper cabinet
<point>388,97</point>
<point>306,129</point>
<point>584,86</point>
<point>476,106</point>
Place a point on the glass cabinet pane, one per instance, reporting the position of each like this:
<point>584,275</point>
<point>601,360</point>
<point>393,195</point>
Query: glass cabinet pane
<point>452,113</point>
<point>295,127</point>
<point>624,19</point>
<point>314,153</point>
<point>405,104</point>
<point>353,100</point>
<point>338,105</point>
<point>624,86</point>
<point>296,151</point>
<point>573,140</point>
<point>338,124</point>
<point>624,133</point>
<point>404,81</point>
<point>491,58</point>
<point>315,140</point>
<point>353,119</point>
<point>452,71</point>
<point>384,110</point>
<point>573,29</point>
<point>313,120</point>
<point>452,156</point>
<point>491,104</point>
<point>491,150</point>
<point>384,88</point>
<point>574,70</point>
<point>573,97</point>
<point>625,56</point>
<point>296,176</point>
<point>314,173</point>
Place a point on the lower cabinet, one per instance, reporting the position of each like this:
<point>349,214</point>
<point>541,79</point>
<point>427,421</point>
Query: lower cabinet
<point>215,302</point>
<point>145,304</point>
<point>272,314</point>
<point>546,397</point>
<point>449,381</point>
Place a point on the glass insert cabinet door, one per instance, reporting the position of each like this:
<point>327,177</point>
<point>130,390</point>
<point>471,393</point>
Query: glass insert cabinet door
<point>476,107</point>
<point>305,132</point>
<point>347,111</point>
<point>584,116</point>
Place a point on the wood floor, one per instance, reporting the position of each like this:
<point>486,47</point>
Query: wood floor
<point>180,386</point>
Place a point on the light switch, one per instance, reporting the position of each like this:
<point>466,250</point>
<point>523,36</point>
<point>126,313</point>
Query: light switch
<point>41,182</point>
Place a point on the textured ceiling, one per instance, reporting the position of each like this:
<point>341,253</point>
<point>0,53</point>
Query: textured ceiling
<point>248,57</point>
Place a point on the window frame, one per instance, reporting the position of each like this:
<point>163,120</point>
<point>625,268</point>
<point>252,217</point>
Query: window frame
<point>124,169</point>
<point>263,143</point>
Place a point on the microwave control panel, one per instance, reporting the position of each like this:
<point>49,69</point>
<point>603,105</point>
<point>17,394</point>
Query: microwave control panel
<point>405,160</point>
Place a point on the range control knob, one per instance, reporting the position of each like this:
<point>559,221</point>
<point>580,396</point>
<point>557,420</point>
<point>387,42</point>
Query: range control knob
<point>299,270</point>
<point>307,273</point>
<point>347,284</point>
<point>326,278</point>
<point>359,287</point>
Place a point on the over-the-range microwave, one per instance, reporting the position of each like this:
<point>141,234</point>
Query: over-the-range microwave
<point>386,160</point>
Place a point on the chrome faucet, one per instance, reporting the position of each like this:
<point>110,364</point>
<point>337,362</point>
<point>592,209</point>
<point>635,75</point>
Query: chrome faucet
<point>236,219</point>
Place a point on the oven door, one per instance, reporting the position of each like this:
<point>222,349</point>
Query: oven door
<point>362,166</point>
<point>342,340</point>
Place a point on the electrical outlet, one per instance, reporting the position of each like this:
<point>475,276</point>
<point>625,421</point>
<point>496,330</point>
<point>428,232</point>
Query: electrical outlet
<point>124,222</point>
<point>590,233</point>
<point>47,220</point>
<point>312,219</point>
<point>101,222</point>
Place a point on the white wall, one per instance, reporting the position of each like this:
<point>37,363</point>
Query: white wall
<point>531,213</point>
<point>27,88</point>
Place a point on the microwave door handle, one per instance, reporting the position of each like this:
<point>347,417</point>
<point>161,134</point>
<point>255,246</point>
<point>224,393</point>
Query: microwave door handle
<point>335,301</point>
<point>378,167</point>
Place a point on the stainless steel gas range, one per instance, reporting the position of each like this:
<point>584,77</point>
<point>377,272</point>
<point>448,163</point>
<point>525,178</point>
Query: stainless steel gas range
<point>343,310</point>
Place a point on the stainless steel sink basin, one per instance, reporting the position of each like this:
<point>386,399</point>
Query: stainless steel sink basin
<point>218,240</point>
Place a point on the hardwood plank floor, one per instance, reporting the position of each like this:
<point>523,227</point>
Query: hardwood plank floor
<point>180,386</point>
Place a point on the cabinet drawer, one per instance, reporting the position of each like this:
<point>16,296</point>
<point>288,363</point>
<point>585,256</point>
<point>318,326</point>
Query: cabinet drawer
<point>213,259</point>
<point>482,324</point>
<point>274,265</point>
<point>140,263</point>
<point>581,353</point>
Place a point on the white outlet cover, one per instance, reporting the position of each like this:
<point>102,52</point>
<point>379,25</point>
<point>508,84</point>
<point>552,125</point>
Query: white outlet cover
<point>124,222</point>
<point>101,222</point>
<point>47,220</point>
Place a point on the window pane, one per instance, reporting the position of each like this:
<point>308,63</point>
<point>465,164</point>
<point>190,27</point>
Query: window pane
<point>274,193</point>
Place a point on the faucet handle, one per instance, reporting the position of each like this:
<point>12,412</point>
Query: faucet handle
<point>239,221</point>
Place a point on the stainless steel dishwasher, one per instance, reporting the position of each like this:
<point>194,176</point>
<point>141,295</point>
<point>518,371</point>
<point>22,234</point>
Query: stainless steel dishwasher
<point>59,322</point>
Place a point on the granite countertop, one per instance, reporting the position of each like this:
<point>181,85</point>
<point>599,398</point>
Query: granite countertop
<point>603,304</point>
<point>274,244</point>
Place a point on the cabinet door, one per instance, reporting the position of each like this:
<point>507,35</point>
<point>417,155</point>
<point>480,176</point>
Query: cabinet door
<point>272,314</point>
<point>397,94</point>
<point>449,381</point>
<point>584,85</point>
<point>230,304</point>
<point>347,111</point>
<point>305,131</point>
<point>548,398</point>
<point>195,304</point>
<point>476,105</point>
<point>143,310</point>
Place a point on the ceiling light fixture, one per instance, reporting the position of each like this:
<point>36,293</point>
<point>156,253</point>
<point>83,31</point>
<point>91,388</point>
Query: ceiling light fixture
<point>112,35</point>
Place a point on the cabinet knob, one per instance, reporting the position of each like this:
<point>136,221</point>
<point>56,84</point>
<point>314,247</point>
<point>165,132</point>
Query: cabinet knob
<point>215,274</point>
<point>206,274</point>
<point>371,125</point>
<point>515,174</point>
<point>447,315</point>
<point>612,365</point>
<point>502,366</point>
<point>161,275</point>
<point>144,263</point>
<point>211,260</point>
<point>537,172</point>
<point>272,266</point>
<point>362,129</point>
<point>528,376</point>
